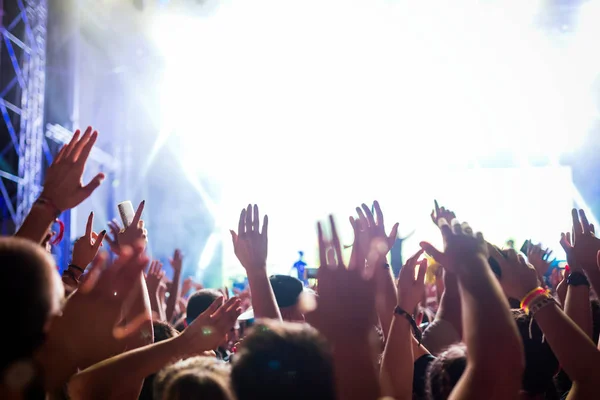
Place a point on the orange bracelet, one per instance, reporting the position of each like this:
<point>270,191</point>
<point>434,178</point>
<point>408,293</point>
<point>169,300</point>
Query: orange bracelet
<point>531,295</point>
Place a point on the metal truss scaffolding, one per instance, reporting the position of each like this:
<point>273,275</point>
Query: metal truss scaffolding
<point>22,85</point>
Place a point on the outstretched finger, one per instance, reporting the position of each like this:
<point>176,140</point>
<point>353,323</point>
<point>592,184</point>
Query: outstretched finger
<point>422,271</point>
<point>322,249</point>
<point>369,214</point>
<point>81,144</point>
<point>378,213</point>
<point>265,227</point>
<point>577,229</point>
<point>242,222</point>
<point>336,240</point>
<point>584,223</point>
<point>362,222</point>
<point>249,218</point>
<point>393,235</point>
<point>86,149</point>
<point>213,307</point>
<point>255,220</point>
<point>88,226</point>
<point>138,214</point>
<point>69,147</point>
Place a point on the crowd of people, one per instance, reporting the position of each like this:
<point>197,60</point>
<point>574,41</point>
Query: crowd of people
<point>114,327</point>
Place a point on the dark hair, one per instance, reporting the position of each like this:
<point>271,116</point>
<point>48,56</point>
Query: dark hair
<point>286,289</point>
<point>282,360</point>
<point>162,331</point>
<point>26,285</point>
<point>540,362</point>
<point>444,372</point>
<point>197,384</point>
<point>199,364</point>
<point>199,302</point>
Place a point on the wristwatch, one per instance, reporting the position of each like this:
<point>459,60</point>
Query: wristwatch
<point>577,279</point>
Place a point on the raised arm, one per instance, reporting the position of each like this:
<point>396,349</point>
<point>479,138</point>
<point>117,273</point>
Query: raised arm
<point>370,231</point>
<point>346,316</point>
<point>89,327</point>
<point>174,294</point>
<point>132,367</point>
<point>495,360</point>
<point>63,189</point>
<point>154,278</point>
<point>576,301</point>
<point>574,350</point>
<point>447,326</point>
<point>250,245</point>
<point>396,377</point>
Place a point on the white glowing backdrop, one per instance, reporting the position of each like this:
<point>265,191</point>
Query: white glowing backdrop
<point>311,107</point>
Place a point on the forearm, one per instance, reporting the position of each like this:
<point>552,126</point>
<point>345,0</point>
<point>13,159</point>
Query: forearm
<point>124,373</point>
<point>574,350</point>
<point>487,319</point>
<point>156,306</point>
<point>36,224</point>
<point>386,298</point>
<point>396,374</point>
<point>174,295</point>
<point>263,298</point>
<point>593,273</point>
<point>139,304</point>
<point>578,308</point>
<point>450,308</point>
<point>355,372</point>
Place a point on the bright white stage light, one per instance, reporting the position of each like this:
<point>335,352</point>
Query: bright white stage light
<point>310,107</point>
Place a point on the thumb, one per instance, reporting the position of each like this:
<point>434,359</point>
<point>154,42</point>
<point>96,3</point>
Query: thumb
<point>234,236</point>
<point>432,251</point>
<point>88,189</point>
<point>393,235</point>
<point>132,329</point>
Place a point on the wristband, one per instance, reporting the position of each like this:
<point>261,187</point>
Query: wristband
<point>49,205</point>
<point>416,331</point>
<point>577,278</point>
<point>76,267</point>
<point>70,274</point>
<point>529,296</point>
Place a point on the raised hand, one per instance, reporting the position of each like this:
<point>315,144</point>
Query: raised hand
<point>585,244</point>
<point>440,212</point>
<point>567,245</point>
<point>134,232</point>
<point>249,243</point>
<point>411,289</point>
<point>154,277</point>
<point>177,261</point>
<point>346,304</point>
<point>369,232</point>
<point>113,241</point>
<point>62,187</point>
<point>460,246</point>
<point>189,284</point>
<point>518,277</point>
<point>212,326</point>
<point>89,328</point>
<point>539,258</point>
<point>86,247</point>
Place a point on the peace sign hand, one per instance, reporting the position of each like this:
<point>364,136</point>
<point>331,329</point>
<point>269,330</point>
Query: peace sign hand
<point>86,247</point>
